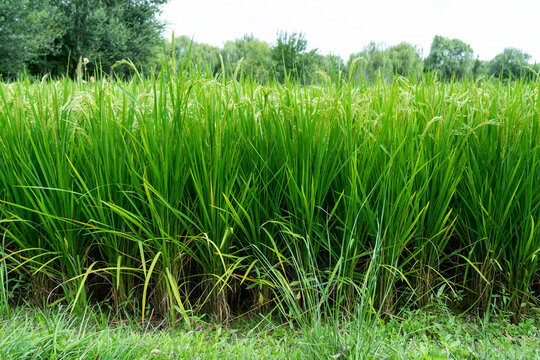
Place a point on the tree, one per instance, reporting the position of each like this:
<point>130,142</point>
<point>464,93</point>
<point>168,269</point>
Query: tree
<point>449,57</point>
<point>330,65</point>
<point>405,59</point>
<point>371,62</point>
<point>480,68</point>
<point>376,61</point>
<point>253,55</point>
<point>51,35</point>
<point>103,31</point>
<point>204,55</point>
<point>290,58</point>
<point>510,63</point>
<point>28,31</point>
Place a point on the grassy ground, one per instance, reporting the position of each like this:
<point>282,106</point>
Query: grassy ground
<point>433,333</point>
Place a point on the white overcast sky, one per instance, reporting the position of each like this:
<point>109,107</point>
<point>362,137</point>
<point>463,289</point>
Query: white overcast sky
<point>343,27</point>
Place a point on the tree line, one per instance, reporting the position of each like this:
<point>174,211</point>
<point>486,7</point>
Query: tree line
<point>40,37</point>
<point>289,58</point>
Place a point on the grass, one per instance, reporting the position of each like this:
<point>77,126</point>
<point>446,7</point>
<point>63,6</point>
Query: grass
<point>181,195</point>
<point>57,334</point>
<point>433,333</point>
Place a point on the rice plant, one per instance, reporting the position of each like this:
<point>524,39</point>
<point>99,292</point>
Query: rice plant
<point>182,193</point>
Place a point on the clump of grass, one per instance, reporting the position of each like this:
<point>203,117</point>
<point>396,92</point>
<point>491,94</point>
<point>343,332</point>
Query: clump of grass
<point>182,194</point>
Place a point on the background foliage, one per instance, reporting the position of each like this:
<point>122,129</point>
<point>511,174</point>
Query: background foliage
<point>50,36</point>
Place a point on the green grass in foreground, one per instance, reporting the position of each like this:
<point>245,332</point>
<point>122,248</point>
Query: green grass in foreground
<point>428,334</point>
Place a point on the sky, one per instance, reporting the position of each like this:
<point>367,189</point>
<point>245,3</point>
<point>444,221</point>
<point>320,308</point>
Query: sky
<point>343,27</point>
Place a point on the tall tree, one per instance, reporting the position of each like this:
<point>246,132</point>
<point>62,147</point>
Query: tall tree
<point>329,67</point>
<point>480,68</point>
<point>449,57</point>
<point>253,55</point>
<point>291,58</point>
<point>106,31</point>
<point>370,63</point>
<point>203,55</point>
<point>405,59</point>
<point>374,60</point>
<point>510,63</point>
<point>29,30</point>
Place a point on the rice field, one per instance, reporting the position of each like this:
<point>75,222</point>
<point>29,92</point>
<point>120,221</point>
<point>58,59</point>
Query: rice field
<point>181,194</point>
